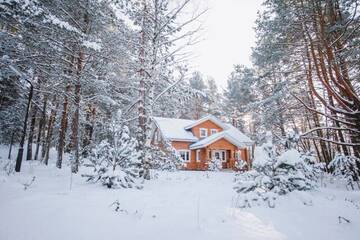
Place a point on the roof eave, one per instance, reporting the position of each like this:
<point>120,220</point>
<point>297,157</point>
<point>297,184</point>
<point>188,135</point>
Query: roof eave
<point>182,140</point>
<point>225,136</point>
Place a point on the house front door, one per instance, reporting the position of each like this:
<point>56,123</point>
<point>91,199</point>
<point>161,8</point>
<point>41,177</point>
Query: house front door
<point>219,155</point>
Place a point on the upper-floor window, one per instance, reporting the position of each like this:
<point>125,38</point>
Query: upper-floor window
<point>213,131</point>
<point>203,132</point>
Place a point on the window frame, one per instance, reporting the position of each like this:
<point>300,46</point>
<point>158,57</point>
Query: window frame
<point>185,151</point>
<point>222,155</point>
<point>213,131</point>
<point>203,129</point>
<point>198,155</point>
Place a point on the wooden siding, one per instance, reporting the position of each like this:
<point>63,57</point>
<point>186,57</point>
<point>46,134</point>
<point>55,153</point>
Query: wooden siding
<point>208,125</point>
<point>205,153</point>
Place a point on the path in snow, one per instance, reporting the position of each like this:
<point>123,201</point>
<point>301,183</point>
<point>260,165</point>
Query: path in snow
<point>181,205</point>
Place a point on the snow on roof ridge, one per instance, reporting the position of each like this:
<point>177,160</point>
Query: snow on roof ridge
<point>205,118</point>
<point>176,129</point>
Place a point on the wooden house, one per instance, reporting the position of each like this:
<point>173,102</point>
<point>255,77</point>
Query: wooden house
<point>199,141</point>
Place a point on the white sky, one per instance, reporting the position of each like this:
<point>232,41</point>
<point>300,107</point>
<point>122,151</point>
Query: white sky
<point>228,37</point>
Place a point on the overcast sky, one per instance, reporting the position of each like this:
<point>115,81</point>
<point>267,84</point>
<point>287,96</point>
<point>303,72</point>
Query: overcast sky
<point>228,37</point>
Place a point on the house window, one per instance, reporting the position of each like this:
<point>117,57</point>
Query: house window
<point>213,131</point>
<point>219,154</point>
<point>198,155</point>
<point>185,155</point>
<point>203,132</point>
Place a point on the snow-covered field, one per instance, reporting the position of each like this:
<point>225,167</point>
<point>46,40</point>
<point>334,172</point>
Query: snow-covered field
<point>176,205</point>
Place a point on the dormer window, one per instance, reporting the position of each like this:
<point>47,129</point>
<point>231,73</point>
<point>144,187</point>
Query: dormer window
<point>213,131</point>
<point>203,132</point>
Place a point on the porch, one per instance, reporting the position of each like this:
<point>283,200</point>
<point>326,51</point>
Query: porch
<point>200,158</point>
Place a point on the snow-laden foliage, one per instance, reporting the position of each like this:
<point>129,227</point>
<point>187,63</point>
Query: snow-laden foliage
<point>274,174</point>
<point>215,164</point>
<point>165,158</point>
<point>347,168</point>
<point>115,161</point>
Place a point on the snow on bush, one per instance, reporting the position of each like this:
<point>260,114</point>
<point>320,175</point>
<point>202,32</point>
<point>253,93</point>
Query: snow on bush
<point>115,161</point>
<point>215,164</point>
<point>275,174</point>
<point>165,158</point>
<point>347,168</point>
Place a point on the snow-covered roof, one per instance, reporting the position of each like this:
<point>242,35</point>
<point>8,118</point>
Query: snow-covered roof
<point>174,129</point>
<point>205,118</point>
<point>230,133</point>
<point>179,130</point>
<point>237,134</point>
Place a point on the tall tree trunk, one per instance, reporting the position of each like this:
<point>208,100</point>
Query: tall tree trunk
<point>31,132</point>
<point>23,134</point>
<point>75,120</point>
<point>49,133</point>
<point>11,143</point>
<point>41,128</point>
<point>142,119</point>
<point>63,128</point>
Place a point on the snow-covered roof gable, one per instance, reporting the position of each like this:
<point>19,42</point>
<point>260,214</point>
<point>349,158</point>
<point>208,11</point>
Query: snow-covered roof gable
<point>230,133</point>
<point>174,129</point>
<point>206,118</point>
<point>179,130</point>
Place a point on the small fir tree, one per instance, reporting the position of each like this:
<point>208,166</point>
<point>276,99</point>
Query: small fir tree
<point>347,168</point>
<point>115,160</point>
<point>275,174</point>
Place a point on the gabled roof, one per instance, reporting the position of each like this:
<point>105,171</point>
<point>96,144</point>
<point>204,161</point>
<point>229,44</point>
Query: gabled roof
<point>230,133</point>
<point>179,130</point>
<point>203,119</point>
<point>174,129</point>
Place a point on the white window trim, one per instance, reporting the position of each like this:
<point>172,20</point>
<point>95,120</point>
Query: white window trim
<point>221,152</point>
<point>205,131</point>
<point>198,155</point>
<point>213,131</point>
<point>185,150</point>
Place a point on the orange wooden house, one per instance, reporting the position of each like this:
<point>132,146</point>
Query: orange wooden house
<point>199,141</point>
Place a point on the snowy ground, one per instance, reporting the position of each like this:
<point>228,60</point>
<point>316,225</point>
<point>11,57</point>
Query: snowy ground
<point>181,205</point>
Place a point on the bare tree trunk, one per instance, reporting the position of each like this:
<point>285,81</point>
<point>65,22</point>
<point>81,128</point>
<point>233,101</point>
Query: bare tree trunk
<point>50,129</point>
<point>63,128</point>
<point>22,140</point>
<point>41,128</point>
<point>11,144</point>
<point>142,119</point>
<point>75,129</point>
<point>31,132</point>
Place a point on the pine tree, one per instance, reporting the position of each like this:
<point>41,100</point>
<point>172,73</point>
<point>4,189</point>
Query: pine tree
<point>274,174</point>
<point>346,167</point>
<point>115,161</point>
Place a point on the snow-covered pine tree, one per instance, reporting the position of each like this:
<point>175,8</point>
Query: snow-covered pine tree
<point>347,168</point>
<point>215,164</point>
<point>159,29</point>
<point>275,174</point>
<point>165,158</point>
<point>115,161</point>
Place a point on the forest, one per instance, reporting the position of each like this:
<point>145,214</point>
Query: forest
<point>82,81</point>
